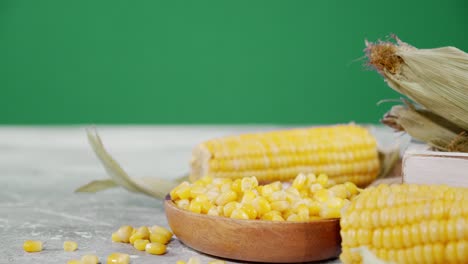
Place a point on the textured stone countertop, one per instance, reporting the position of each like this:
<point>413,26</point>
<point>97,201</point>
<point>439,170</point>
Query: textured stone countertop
<point>40,167</point>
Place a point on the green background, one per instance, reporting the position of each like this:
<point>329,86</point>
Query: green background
<point>221,62</point>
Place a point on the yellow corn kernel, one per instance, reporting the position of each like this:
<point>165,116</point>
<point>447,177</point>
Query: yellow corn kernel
<point>213,211</point>
<point>194,260</point>
<point>280,206</point>
<point>74,261</point>
<point>250,210</point>
<point>118,258</point>
<point>322,195</point>
<point>162,231</point>
<point>323,179</point>
<point>340,191</point>
<point>266,190</point>
<point>204,202</point>
<point>155,248</point>
<point>116,237</point>
<point>311,179</point>
<point>229,208</point>
<point>173,192</point>
<point>261,205</point>
<point>269,215</point>
<point>248,196</point>
<point>183,204</point>
<point>277,196</point>
<point>180,262</point>
<point>195,207</point>
<point>294,218</point>
<point>276,186</point>
<point>124,233</point>
<point>135,237</point>
<point>300,181</point>
<point>143,230</point>
<point>239,214</point>
<point>159,238</point>
<point>302,211</point>
<point>329,212</point>
<point>351,188</point>
<point>226,197</point>
<point>236,185</point>
<point>249,183</point>
<point>313,188</point>
<point>89,259</point>
<point>140,244</point>
<point>196,190</point>
<point>70,246</point>
<point>32,246</point>
<point>184,192</point>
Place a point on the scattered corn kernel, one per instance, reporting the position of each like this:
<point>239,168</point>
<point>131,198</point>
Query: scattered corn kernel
<point>140,244</point>
<point>155,248</point>
<point>74,261</point>
<point>116,237</point>
<point>159,238</point>
<point>32,246</point>
<point>161,230</point>
<point>70,246</point>
<point>118,258</point>
<point>180,262</point>
<point>89,259</point>
<point>124,233</point>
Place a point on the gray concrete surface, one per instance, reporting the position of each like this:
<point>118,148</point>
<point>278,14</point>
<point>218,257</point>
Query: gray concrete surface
<point>40,167</point>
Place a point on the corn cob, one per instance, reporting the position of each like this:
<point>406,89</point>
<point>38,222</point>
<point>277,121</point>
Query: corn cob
<point>407,224</point>
<point>343,152</point>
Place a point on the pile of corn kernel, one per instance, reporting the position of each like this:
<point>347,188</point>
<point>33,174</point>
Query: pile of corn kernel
<point>152,239</point>
<point>308,197</point>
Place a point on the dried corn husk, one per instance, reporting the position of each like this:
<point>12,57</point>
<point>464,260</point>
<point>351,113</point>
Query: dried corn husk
<point>436,79</point>
<point>427,127</point>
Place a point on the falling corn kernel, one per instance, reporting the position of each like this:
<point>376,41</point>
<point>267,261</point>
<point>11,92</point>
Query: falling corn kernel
<point>32,246</point>
<point>140,244</point>
<point>70,246</point>
<point>155,248</point>
<point>89,259</point>
<point>74,261</point>
<point>118,258</point>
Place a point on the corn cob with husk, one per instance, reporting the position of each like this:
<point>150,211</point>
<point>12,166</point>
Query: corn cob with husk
<point>437,80</point>
<point>343,152</point>
<point>407,224</point>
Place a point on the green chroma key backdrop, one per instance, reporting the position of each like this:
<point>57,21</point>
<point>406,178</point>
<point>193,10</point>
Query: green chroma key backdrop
<point>206,62</point>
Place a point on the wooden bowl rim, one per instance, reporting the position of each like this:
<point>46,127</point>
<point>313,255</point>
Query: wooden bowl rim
<point>171,203</point>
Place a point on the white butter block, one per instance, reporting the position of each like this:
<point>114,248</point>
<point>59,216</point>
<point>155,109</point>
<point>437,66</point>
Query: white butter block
<point>423,166</point>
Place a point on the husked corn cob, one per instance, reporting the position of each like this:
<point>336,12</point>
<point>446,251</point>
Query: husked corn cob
<point>343,152</point>
<point>407,224</point>
<point>307,198</point>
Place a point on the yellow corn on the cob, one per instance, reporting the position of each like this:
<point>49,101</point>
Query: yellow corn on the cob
<point>407,224</point>
<point>344,152</point>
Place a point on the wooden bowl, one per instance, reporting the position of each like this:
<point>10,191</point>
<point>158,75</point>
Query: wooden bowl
<point>255,240</point>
